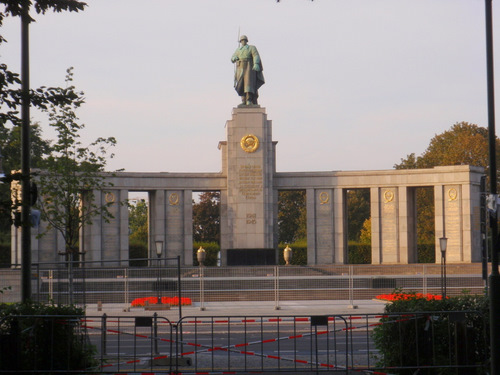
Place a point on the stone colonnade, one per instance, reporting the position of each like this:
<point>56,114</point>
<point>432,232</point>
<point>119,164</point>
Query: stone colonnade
<point>249,186</point>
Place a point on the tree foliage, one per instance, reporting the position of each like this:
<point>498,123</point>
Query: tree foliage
<point>463,144</point>
<point>206,217</point>
<point>426,226</point>
<point>49,338</point>
<point>292,216</point>
<point>10,99</point>
<point>71,171</point>
<point>10,148</point>
<point>417,332</point>
<point>358,211</point>
<point>10,92</point>
<point>138,222</point>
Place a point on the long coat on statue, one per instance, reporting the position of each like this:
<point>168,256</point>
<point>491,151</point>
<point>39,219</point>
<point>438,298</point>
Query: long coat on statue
<point>245,78</point>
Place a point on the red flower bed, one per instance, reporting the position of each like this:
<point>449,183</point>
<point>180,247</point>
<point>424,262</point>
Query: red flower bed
<point>406,296</point>
<point>173,301</point>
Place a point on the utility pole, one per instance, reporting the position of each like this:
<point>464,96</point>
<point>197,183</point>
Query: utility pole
<point>25,158</point>
<point>494,282</point>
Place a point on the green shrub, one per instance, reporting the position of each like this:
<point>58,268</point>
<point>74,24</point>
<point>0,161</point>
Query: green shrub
<point>138,250</point>
<point>46,338</point>
<point>359,253</point>
<point>299,257</point>
<point>426,252</point>
<point>444,332</point>
<point>299,253</point>
<point>211,251</point>
<point>4,255</point>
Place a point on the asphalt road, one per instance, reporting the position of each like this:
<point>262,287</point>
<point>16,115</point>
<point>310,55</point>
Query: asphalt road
<point>222,346</point>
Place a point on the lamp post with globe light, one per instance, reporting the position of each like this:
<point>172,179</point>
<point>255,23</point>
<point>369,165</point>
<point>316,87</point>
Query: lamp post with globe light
<point>159,251</point>
<point>443,243</point>
<point>201,255</point>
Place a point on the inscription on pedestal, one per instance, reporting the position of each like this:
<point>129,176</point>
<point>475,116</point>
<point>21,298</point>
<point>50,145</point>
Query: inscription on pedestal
<point>251,218</point>
<point>453,220</point>
<point>250,181</point>
<point>389,227</point>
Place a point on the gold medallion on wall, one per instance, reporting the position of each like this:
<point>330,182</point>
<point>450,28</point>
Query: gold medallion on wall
<point>249,143</point>
<point>388,196</point>
<point>323,197</point>
<point>173,199</point>
<point>109,197</point>
<point>452,194</point>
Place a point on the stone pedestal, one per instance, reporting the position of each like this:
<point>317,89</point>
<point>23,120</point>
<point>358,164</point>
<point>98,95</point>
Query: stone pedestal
<point>249,164</point>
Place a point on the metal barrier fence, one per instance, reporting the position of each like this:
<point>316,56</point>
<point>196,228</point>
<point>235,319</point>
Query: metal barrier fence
<point>433,343</point>
<point>88,285</point>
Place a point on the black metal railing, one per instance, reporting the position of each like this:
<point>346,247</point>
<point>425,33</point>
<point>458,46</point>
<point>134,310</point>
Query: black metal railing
<point>431,342</point>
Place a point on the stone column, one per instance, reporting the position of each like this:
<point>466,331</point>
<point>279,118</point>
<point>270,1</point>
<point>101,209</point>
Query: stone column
<point>188,228</point>
<point>453,223</point>
<point>405,222</point>
<point>385,226</point>
<point>115,230</point>
<point>340,226</point>
<point>471,217</point>
<point>250,197</point>
<point>389,209</point>
<point>312,254</point>
<point>376,225</point>
<point>325,233</point>
<point>47,247</point>
<point>92,234</point>
<point>178,226</point>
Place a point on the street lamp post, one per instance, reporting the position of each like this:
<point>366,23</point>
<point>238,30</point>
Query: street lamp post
<point>159,251</point>
<point>443,243</point>
<point>201,256</point>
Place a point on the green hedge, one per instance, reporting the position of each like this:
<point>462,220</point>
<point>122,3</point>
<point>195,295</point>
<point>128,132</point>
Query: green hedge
<point>433,339</point>
<point>299,253</point>
<point>359,253</point>
<point>4,255</point>
<point>426,253</point>
<point>30,341</point>
<point>299,257</point>
<point>138,250</point>
<point>211,250</point>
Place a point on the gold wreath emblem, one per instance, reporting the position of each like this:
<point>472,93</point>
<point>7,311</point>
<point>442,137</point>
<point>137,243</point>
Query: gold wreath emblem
<point>452,194</point>
<point>173,199</point>
<point>388,196</point>
<point>323,197</point>
<point>249,143</point>
<point>109,197</point>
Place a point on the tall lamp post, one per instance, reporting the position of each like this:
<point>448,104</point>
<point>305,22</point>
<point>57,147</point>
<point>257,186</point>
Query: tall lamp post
<point>494,279</point>
<point>443,243</point>
<point>159,251</point>
<point>201,255</point>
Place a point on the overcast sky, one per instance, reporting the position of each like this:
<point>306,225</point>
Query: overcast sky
<point>350,84</point>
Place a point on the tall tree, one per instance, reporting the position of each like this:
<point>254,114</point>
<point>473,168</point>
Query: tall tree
<point>10,90</point>
<point>71,171</point>
<point>42,97</point>
<point>206,217</point>
<point>292,216</point>
<point>10,148</point>
<point>462,144</point>
<point>138,222</point>
<point>358,211</point>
